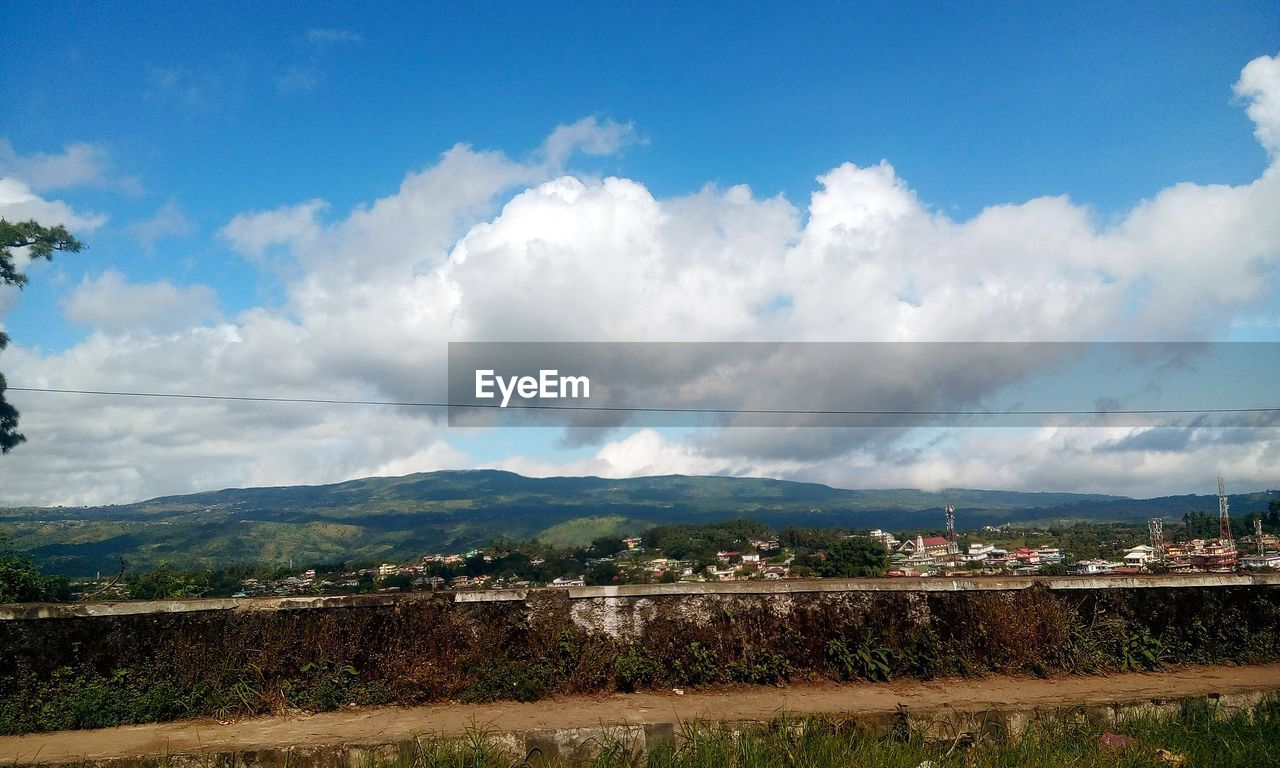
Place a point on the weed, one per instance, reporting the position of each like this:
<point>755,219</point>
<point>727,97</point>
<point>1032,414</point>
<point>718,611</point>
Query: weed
<point>634,669</point>
<point>867,661</point>
<point>700,665</point>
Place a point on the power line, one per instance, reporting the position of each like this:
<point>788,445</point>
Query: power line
<point>645,409</point>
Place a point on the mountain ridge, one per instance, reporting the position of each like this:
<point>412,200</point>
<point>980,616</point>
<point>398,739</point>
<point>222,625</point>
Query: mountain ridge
<point>401,517</point>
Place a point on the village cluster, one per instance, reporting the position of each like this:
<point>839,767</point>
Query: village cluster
<point>926,556</point>
<point>766,559</point>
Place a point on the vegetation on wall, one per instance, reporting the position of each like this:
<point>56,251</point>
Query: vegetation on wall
<point>131,669</point>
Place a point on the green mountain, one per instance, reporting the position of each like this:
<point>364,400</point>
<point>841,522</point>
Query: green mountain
<point>397,518</point>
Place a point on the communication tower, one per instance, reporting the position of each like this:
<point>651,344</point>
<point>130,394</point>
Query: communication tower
<point>1224,519</point>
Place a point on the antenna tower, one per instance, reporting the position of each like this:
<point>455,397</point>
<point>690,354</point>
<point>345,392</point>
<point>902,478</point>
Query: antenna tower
<point>1224,519</point>
<point>951,529</point>
<point>1156,528</point>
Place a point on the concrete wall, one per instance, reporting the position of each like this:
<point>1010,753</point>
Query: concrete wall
<point>108,663</point>
<point>631,592</point>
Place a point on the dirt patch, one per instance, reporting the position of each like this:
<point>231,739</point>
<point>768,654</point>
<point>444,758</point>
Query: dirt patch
<point>376,725</point>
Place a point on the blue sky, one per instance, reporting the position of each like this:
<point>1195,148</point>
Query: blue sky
<point>199,114</point>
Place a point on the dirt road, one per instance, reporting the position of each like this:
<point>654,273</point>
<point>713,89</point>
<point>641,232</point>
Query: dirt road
<point>387,724</point>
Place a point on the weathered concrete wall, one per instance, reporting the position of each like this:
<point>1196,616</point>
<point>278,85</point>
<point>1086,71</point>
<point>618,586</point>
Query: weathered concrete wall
<point>84,665</point>
<point>27,611</point>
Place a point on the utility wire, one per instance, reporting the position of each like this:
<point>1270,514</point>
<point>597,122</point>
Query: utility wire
<point>644,409</point>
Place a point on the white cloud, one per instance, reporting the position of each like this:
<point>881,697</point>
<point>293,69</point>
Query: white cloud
<point>478,246</point>
<point>169,221</point>
<point>588,136</point>
<point>644,452</point>
<point>19,203</point>
<point>1049,459</point>
<point>109,303</point>
<point>77,165</point>
<point>1259,85</point>
<point>253,234</point>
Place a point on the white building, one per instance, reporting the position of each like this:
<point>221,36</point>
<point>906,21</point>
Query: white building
<point>1091,567</point>
<point>1268,560</point>
<point>885,538</point>
<point>1139,555</point>
<point>1050,554</point>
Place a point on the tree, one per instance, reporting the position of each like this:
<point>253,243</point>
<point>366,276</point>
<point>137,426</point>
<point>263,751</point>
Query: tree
<point>602,573</point>
<point>20,579</point>
<point>858,556</point>
<point>1054,569</point>
<point>166,583</point>
<point>40,243</point>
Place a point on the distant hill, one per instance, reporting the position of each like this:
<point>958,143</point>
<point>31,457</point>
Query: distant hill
<point>396,518</point>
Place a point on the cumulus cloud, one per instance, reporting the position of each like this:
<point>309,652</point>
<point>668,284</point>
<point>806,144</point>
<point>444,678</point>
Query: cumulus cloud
<point>169,221</point>
<point>478,246</point>
<point>1078,460</point>
<point>649,452</point>
<point>109,303</point>
<point>1259,85</point>
<point>19,203</point>
<point>77,165</point>
<point>589,136</point>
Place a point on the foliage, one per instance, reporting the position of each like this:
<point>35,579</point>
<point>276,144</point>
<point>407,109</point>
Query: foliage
<point>429,648</point>
<point>325,685</point>
<point>165,583</point>
<point>761,667</point>
<point>634,668</point>
<point>21,580</point>
<point>702,542</point>
<point>511,679</point>
<point>1141,652</point>
<point>603,573</point>
<point>40,242</point>
<point>699,665</point>
<point>867,660</point>
<point>858,556</point>
<point>78,697</point>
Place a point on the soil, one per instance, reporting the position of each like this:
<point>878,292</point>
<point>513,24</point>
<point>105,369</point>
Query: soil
<point>388,724</point>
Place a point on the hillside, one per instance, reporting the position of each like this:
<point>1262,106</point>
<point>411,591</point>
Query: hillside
<point>402,517</point>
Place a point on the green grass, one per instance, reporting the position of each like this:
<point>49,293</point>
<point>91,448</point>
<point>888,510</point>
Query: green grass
<point>1195,735</point>
<point>581,531</point>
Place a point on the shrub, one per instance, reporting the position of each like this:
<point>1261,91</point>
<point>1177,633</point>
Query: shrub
<point>510,679</point>
<point>867,660</point>
<point>761,668</point>
<point>634,669</point>
<point>700,665</point>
